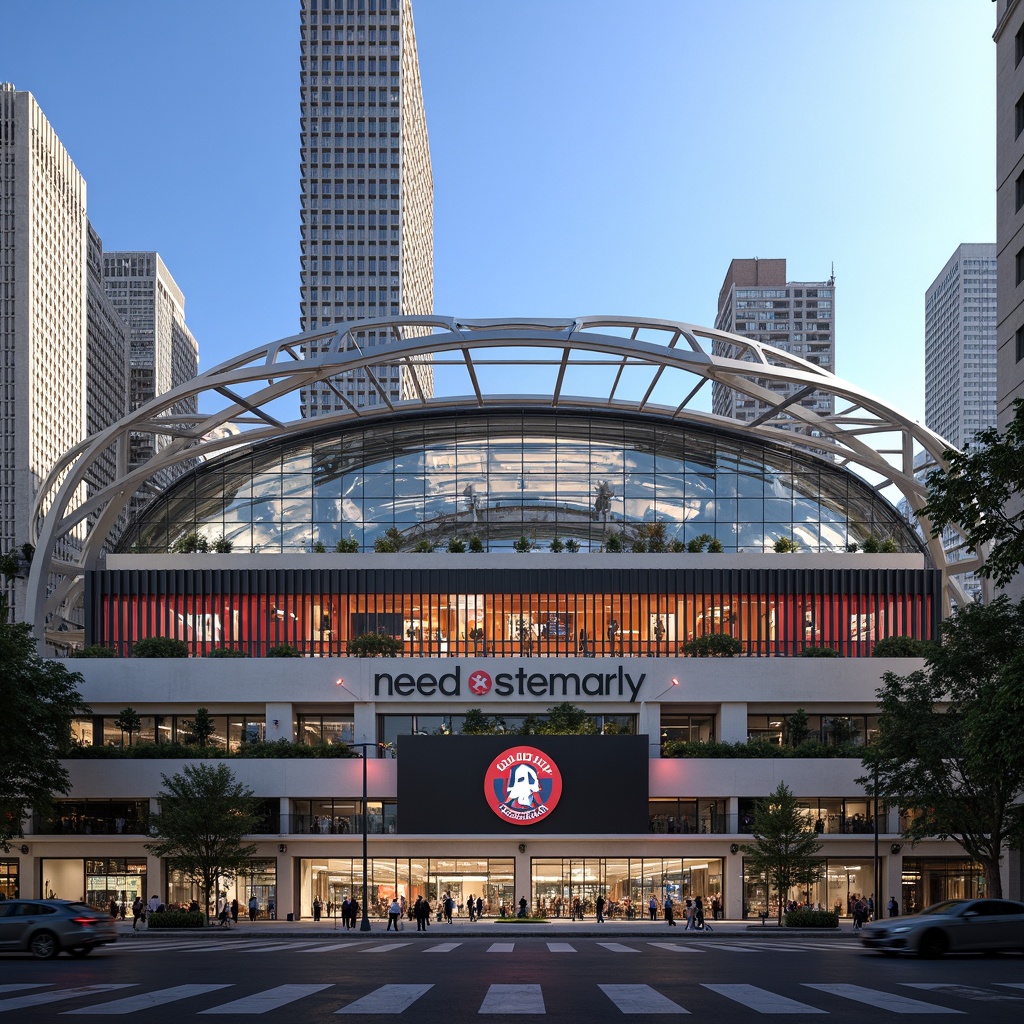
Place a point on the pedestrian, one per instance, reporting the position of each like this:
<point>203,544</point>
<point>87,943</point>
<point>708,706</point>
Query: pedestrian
<point>138,913</point>
<point>894,907</point>
<point>254,907</point>
<point>698,913</point>
<point>652,908</point>
<point>688,913</point>
<point>449,907</point>
<point>317,908</point>
<point>113,910</point>
<point>600,909</point>
<point>271,910</point>
<point>223,910</point>
<point>394,915</point>
<point>479,907</point>
<point>353,911</point>
<point>471,907</point>
<point>668,912</point>
<point>421,911</point>
<point>716,906</point>
<point>234,911</point>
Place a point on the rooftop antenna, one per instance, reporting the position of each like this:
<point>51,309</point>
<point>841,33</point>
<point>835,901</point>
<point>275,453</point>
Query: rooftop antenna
<point>832,277</point>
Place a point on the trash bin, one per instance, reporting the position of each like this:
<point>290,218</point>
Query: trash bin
<point>291,917</point>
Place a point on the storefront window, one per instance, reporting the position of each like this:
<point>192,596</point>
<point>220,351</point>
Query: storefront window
<point>328,730</point>
<point>567,885</point>
<point>114,878</point>
<point>928,880</point>
<point>9,878</point>
<point>689,817</point>
<point>841,883</point>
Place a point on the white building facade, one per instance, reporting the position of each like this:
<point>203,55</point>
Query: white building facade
<point>367,231</point>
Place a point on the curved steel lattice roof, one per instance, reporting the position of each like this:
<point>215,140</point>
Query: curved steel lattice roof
<point>640,366</point>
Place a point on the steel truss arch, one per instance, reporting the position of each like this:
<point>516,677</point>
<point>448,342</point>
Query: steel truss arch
<point>247,385</point>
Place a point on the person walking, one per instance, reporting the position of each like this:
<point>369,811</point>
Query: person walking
<point>668,912</point>
<point>420,911</point>
<point>652,908</point>
<point>353,911</point>
<point>471,907</point>
<point>138,913</point>
<point>394,915</point>
<point>600,909</point>
<point>234,911</point>
<point>894,907</point>
<point>317,908</point>
<point>254,907</point>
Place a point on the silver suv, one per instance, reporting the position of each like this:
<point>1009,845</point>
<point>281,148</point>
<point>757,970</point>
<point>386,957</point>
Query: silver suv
<point>45,927</point>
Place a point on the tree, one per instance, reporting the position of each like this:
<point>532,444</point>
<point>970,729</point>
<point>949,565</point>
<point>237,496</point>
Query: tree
<point>202,727</point>
<point>204,815</point>
<point>567,719</point>
<point>476,723</point>
<point>39,698</point>
<point>128,721</point>
<point>977,493</point>
<point>191,543</point>
<point>713,645</point>
<point>796,727</point>
<point>785,848</point>
<point>950,745</point>
<point>159,647</point>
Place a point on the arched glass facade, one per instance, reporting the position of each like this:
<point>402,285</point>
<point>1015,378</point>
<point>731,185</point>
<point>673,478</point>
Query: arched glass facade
<point>501,476</point>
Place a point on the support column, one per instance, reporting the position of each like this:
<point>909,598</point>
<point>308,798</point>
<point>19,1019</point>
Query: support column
<point>732,723</point>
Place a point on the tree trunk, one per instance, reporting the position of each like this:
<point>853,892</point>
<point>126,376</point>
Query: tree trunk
<point>993,880</point>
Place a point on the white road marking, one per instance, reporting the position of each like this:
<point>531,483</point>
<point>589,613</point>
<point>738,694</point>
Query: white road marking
<point>966,991</point>
<point>22,987</point>
<point>676,949</point>
<point>640,999</point>
<point>41,998</point>
<point>146,1000</point>
<point>261,1002</point>
<point>618,947</point>
<point>761,1000</point>
<point>387,999</point>
<point>513,999</point>
<point>443,947</point>
<point>279,946</point>
<point>883,1000</point>
<point>561,947</point>
<point>327,949</point>
<point>501,947</point>
<point>384,949</point>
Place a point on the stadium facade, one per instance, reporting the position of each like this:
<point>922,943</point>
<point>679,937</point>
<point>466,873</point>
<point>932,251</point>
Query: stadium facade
<point>525,549</point>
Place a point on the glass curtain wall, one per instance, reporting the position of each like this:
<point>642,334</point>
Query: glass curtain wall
<point>567,886</point>
<point>842,882</point>
<point>928,880</point>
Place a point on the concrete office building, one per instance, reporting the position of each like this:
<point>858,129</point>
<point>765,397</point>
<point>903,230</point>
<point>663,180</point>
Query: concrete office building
<point>960,355</point>
<point>44,237</point>
<point>795,317</point>
<point>520,606</point>
<point>1009,39</point>
<point>367,229</point>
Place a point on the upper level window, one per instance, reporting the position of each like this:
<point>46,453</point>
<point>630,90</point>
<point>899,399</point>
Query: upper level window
<point>1018,44</point>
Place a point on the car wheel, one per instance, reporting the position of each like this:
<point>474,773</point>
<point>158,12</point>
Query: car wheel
<point>44,945</point>
<point>80,951</point>
<point>933,945</point>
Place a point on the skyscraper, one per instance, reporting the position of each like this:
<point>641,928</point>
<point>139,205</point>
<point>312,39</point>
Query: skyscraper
<point>960,357</point>
<point>960,345</point>
<point>757,302</point>
<point>43,245</point>
<point>366,187</point>
<point>163,352</point>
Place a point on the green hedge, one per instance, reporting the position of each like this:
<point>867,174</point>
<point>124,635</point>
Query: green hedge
<point>176,919</point>
<point>187,751</point>
<point>811,919</point>
<point>759,748</point>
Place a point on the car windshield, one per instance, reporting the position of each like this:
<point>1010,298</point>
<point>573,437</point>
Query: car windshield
<point>945,907</point>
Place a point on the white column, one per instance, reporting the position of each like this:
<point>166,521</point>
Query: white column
<point>732,722</point>
<point>280,724</point>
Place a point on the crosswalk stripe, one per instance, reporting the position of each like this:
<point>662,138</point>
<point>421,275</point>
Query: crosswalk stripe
<point>145,1001</point>
<point>676,948</point>
<point>386,948</point>
<point>21,987</point>
<point>41,998</point>
<point>501,947</point>
<point>1010,984</point>
<point>761,1000</point>
<point>387,999</point>
<point>212,947</point>
<point>561,947</point>
<point>328,949</point>
<point>280,945</point>
<point>883,1000</point>
<point>261,1002</point>
<point>640,999</point>
<point>966,991</point>
<point>618,947</point>
<point>513,999</point>
<point>443,947</point>
<point>728,947</point>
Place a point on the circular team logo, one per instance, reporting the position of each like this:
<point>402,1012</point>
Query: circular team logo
<point>522,785</point>
<point>479,683</point>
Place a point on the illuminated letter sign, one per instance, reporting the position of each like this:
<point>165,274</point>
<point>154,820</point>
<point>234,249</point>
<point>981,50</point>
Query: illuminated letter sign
<point>522,785</point>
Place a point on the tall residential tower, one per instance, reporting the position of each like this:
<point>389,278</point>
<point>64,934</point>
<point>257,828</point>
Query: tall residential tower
<point>757,302</point>
<point>367,190</point>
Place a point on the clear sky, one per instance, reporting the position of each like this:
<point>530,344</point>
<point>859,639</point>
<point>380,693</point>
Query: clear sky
<point>589,156</point>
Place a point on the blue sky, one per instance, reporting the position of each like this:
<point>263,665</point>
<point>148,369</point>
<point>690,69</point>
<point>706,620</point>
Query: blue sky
<point>589,157</point>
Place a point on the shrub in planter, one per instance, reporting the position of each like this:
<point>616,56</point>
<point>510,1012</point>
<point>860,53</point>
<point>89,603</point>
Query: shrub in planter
<point>572,546</point>
<point>811,919</point>
<point>227,652</point>
<point>901,647</point>
<point>176,919</point>
<point>456,546</point>
<point>476,545</point>
<point>347,546</point>
<point>713,645</point>
<point>94,651</point>
<point>819,652</point>
<point>374,645</point>
<point>284,651</point>
<point>160,647</point>
<point>523,545</point>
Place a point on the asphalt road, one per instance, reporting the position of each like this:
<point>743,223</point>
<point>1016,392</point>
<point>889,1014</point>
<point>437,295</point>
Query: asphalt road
<point>442,978</point>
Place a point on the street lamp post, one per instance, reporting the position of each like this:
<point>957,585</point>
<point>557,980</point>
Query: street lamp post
<point>364,925</point>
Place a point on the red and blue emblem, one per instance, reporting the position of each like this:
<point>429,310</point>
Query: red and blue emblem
<point>522,785</point>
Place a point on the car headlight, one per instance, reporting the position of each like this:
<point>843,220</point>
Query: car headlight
<point>901,928</point>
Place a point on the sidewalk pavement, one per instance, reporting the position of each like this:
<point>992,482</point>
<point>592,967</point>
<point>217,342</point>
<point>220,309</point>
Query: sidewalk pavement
<point>463,928</point>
